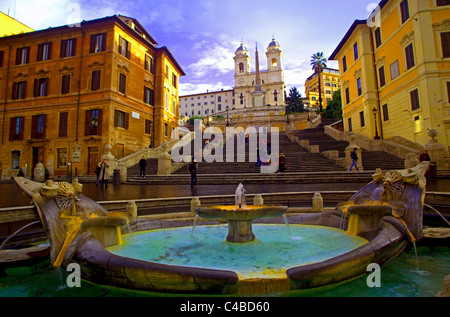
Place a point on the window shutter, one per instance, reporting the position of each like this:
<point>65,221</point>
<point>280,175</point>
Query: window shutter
<point>49,50</point>
<point>18,55</point>
<point>126,120</point>
<point>92,46</point>
<point>99,122</point>
<point>62,49</point>
<point>39,53</point>
<point>24,89</point>
<point>2,53</point>
<point>146,66</point>
<point>14,91</point>
<point>445,41</point>
<point>36,88</point>
<point>74,47</point>
<point>95,84</point>
<point>12,129</point>
<point>34,126</point>
<point>116,118</point>
<point>103,42</point>
<point>87,123</point>
<point>45,86</point>
<point>63,116</point>
<point>44,126</point>
<point>128,50</point>
<point>122,83</point>
<point>120,45</point>
<point>28,54</point>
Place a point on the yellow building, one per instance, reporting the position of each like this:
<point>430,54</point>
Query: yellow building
<point>329,81</point>
<point>10,26</point>
<point>395,67</point>
<point>68,91</point>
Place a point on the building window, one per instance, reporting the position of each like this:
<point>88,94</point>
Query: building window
<point>167,72</point>
<point>361,119</point>
<point>442,2</point>
<point>98,43</point>
<point>385,112</point>
<point>347,95</point>
<point>95,80</point>
<point>358,84</point>
<point>22,55</point>
<point>44,52</point>
<point>404,10</point>
<point>16,129</point>
<point>65,84</point>
<point>350,128</point>
<point>174,81</point>
<point>377,37</point>
<point>63,122</point>
<point>148,64</point>
<point>62,158</point>
<point>355,51</point>
<point>19,90</point>
<point>121,119</point>
<point>93,122</point>
<point>122,83</point>
<point>381,76</point>
<point>40,87</point>
<point>15,155</point>
<point>38,125</point>
<point>68,48</point>
<point>148,96</point>
<point>445,42</point>
<point>395,70</point>
<point>409,53</point>
<point>414,96</point>
<point>166,128</point>
<point>124,47</point>
<point>241,67</point>
<point>344,63</point>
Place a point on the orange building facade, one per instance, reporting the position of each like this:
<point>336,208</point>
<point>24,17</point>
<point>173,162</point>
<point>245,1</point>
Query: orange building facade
<point>68,91</point>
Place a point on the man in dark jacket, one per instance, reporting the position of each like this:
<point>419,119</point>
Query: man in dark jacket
<point>354,158</point>
<point>193,170</point>
<point>142,167</point>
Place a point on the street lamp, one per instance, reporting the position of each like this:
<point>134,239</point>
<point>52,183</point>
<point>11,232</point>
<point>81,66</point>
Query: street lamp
<point>207,117</point>
<point>228,122</point>
<point>374,111</point>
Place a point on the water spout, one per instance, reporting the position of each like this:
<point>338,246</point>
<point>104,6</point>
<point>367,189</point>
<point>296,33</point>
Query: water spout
<point>287,224</point>
<point>194,225</point>
<point>11,236</point>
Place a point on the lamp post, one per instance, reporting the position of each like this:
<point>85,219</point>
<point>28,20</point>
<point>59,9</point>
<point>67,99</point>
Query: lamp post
<point>207,117</point>
<point>228,122</point>
<point>374,111</point>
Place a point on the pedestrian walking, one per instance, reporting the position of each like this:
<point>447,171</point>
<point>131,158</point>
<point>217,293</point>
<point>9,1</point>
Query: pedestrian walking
<point>142,167</point>
<point>104,173</point>
<point>354,158</point>
<point>193,168</point>
<point>282,163</point>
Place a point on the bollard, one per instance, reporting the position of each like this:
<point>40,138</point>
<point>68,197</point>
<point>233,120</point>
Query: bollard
<point>317,202</point>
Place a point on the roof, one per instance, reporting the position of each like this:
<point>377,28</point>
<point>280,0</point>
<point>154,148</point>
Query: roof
<point>174,61</point>
<point>346,37</point>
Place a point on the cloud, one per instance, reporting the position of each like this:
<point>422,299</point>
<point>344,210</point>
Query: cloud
<point>213,59</point>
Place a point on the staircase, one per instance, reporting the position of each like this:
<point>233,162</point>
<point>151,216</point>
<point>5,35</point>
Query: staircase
<point>370,159</point>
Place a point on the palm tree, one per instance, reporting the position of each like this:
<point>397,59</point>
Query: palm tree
<point>318,63</point>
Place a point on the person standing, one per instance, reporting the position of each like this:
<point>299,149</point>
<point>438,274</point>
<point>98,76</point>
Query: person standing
<point>424,156</point>
<point>142,167</point>
<point>104,173</point>
<point>193,167</point>
<point>354,158</point>
<point>97,172</point>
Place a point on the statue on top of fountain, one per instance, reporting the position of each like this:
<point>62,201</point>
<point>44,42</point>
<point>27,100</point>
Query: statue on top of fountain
<point>239,197</point>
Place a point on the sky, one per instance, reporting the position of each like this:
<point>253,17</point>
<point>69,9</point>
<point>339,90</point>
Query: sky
<point>203,35</point>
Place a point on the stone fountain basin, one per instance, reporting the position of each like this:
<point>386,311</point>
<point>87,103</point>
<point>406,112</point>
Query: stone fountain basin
<point>218,212</point>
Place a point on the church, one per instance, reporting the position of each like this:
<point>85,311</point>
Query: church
<point>258,88</point>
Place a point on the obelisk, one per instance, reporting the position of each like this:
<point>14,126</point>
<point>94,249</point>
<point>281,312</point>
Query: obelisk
<point>258,95</point>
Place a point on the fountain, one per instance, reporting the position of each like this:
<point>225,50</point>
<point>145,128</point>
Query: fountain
<point>240,216</point>
<point>374,226</point>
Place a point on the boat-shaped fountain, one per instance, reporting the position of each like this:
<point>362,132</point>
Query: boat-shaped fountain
<point>380,219</point>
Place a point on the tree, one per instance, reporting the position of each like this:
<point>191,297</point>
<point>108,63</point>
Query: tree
<point>334,107</point>
<point>318,63</point>
<point>294,102</point>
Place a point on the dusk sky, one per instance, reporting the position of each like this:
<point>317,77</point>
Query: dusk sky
<point>203,35</point>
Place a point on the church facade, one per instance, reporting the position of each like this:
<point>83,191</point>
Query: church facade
<point>242,96</point>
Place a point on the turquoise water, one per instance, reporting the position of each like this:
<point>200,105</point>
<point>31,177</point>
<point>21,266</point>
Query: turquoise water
<point>398,279</point>
<point>276,248</point>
